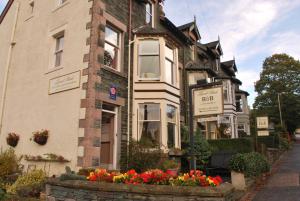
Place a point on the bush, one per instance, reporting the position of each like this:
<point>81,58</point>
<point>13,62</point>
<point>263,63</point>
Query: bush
<point>251,164</point>
<point>240,145</point>
<point>271,141</point>
<point>237,163</point>
<point>29,184</point>
<point>284,144</point>
<point>9,163</point>
<point>142,157</point>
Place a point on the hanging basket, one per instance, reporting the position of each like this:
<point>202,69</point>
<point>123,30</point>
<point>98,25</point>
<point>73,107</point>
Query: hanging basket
<point>41,137</point>
<point>12,139</point>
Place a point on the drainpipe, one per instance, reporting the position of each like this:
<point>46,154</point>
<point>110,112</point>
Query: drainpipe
<point>129,73</point>
<point>12,43</point>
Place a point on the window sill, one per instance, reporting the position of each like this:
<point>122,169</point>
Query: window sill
<point>109,69</point>
<point>31,16</point>
<point>50,70</point>
<point>60,6</point>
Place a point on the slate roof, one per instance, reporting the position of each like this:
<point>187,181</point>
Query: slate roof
<point>229,64</point>
<point>188,25</point>
<point>242,92</point>
<point>199,67</point>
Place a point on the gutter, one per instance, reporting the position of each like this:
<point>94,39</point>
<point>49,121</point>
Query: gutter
<point>7,67</point>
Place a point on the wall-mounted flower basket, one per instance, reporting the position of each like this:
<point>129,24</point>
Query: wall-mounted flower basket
<point>48,158</point>
<point>41,137</point>
<point>12,139</point>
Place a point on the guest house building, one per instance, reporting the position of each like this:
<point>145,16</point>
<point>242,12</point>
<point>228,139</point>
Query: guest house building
<point>99,73</point>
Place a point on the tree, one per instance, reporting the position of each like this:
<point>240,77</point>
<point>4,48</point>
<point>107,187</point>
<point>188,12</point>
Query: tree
<point>280,75</point>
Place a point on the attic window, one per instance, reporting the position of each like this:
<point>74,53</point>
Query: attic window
<point>149,13</point>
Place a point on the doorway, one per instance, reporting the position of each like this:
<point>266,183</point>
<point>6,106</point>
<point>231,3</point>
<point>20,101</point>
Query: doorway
<point>108,137</point>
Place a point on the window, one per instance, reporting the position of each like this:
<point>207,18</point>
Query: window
<point>225,91</point>
<point>149,123</point>
<point>60,2</point>
<point>149,60</point>
<point>217,65</point>
<point>112,48</point>
<point>171,121</point>
<point>149,14</point>
<point>169,64</point>
<point>239,104</point>
<point>241,127</point>
<point>59,50</point>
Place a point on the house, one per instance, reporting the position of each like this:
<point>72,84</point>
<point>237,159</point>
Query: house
<point>97,74</point>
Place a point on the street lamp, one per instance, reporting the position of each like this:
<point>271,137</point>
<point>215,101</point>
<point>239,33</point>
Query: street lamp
<point>279,107</point>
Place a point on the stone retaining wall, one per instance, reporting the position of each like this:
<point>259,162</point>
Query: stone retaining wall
<point>90,191</point>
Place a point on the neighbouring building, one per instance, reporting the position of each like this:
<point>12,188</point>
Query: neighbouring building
<point>99,73</point>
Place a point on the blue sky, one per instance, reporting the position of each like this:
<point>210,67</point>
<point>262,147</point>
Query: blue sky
<point>250,30</point>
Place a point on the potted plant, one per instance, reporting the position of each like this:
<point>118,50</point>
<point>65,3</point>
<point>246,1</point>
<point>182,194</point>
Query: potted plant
<point>171,167</point>
<point>12,139</point>
<point>237,165</point>
<point>41,137</point>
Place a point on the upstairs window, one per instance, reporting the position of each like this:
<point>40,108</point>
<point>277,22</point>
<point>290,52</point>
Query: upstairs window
<point>149,13</point>
<point>225,91</point>
<point>149,60</point>
<point>169,64</point>
<point>112,48</point>
<point>149,123</point>
<point>239,104</point>
<point>59,50</point>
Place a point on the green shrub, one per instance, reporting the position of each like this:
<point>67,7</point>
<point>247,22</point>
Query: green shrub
<point>284,144</point>
<point>239,145</point>
<point>71,175</point>
<point>169,164</point>
<point>251,164</point>
<point>271,141</point>
<point>9,163</point>
<point>85,171</point>
<point>142,157</point>
<point>29,184</point>
<point>238,163</point>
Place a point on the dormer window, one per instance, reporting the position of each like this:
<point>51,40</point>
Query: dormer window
<point>149,13</point>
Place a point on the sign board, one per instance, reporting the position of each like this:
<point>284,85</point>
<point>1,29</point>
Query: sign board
<point>113,93</point>
<point>208,101</point>
<point>65,82</point>
<point>262,133</point>
<point>262,122</point>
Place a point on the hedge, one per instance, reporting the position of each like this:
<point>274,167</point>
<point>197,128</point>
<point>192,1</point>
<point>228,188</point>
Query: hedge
<point>271,141</point>
<point>239,145</point>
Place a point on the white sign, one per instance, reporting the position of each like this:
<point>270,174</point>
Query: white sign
<point>65,82</point>
<point>262,133</point>
<point>262,122</point>
<point>208,101</point>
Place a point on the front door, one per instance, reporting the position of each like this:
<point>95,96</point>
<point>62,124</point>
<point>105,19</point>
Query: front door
<point>108,133</point>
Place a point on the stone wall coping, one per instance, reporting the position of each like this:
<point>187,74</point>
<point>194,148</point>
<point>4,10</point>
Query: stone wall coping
<point>220,191</point>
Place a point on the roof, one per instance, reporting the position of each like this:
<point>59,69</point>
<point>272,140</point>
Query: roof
<point>197,67</point>
<point>242,92</point>
<point>190,26</point>
<point>215,45</point>
<point>230,64</point>
<point>4,12</point>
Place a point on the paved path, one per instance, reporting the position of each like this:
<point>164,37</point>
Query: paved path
<point>284,184</point>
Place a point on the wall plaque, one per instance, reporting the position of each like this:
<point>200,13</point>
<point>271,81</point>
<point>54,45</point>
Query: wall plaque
<point>262,133</point>
<point>65,82</point>
<point>208,101</point>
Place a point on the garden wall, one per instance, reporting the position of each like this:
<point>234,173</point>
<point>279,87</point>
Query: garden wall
<point>84,190</point>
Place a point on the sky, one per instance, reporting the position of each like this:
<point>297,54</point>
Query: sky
<point>249,30</point>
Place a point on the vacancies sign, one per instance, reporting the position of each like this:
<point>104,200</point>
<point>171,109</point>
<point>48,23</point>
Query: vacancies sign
<point>208,101</point>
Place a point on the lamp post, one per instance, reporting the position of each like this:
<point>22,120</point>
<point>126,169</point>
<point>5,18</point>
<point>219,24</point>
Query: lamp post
<point>279,107</point>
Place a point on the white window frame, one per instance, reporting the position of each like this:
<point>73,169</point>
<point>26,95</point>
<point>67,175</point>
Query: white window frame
<point>173,66</point>
<point>118,46</point>
<point>175,123</point>
<point>141,121</point>
<point>151,14</point>
<point>59,49</point>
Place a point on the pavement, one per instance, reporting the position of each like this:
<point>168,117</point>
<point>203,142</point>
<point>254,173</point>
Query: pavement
<point>283,185</point>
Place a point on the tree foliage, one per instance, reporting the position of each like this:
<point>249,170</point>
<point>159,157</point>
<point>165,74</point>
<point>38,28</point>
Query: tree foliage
<point>280,75</point>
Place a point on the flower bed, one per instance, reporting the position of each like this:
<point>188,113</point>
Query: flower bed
<point>159,177</point>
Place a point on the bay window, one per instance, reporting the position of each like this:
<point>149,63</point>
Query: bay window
<point>112,48</point>
<point>169,65</point>
<point>171,125</point>
<point>149,123</point>
<point>149,60</point>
